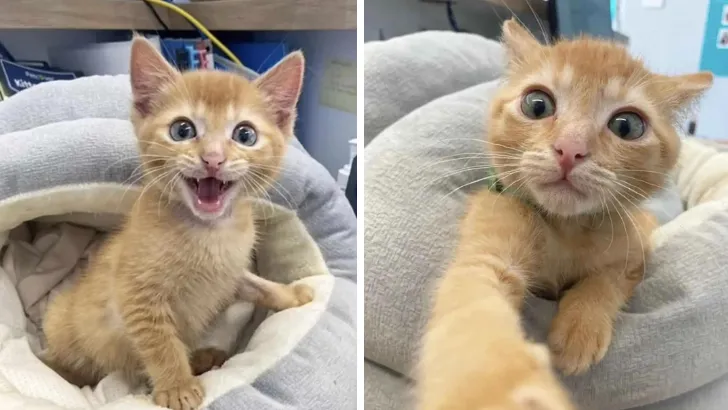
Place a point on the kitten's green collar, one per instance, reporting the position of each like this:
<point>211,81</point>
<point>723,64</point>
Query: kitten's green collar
<point>494,184</point>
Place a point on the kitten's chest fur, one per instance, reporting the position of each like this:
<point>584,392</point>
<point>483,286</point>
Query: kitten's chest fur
<point>570,251</point>
<point>198,269</point>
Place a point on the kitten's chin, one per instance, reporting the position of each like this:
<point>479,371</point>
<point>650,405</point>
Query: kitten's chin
<point>564,200</point>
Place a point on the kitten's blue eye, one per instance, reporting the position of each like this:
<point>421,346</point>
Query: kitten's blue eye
<point>537,105</point>
<point>627,125</point>
<point>182,130</point>
<point>245,134</point>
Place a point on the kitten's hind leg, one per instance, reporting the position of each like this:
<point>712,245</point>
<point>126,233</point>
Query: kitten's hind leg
<point>272,295</point>
<point>204,360</point>
<point>80,375</point>
<point>64,354</point>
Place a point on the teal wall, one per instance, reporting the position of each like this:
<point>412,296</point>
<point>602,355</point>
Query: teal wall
<point>714,58</point>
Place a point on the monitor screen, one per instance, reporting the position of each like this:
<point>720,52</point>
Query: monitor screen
<point>570,18</point>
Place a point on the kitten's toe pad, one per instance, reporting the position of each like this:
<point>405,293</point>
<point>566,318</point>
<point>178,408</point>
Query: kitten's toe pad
<point>186,395</point>
<point>204,360</point>
<point>578,341</point>
<point>541,353</point>
<point>304,293</point>
<point>539,397</point>
<point>535,387</point>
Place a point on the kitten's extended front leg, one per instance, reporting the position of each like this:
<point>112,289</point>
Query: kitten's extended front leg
<point>582,329</point>
<point>273,295</point>
<point>475,354</point>
<point>150,327</point>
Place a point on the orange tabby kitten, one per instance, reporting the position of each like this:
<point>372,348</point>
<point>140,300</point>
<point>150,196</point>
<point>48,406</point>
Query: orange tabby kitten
<point>580,133</point>
<point>206,138</point>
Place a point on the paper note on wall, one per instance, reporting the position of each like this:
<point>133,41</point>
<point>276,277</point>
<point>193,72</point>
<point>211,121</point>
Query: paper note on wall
<point>714,56</point>
<point>338,88</point>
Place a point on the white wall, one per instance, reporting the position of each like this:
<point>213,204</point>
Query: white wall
<point>670,40</point>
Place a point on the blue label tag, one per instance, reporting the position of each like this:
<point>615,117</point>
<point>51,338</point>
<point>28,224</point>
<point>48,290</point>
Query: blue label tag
<point>5,54</point>
<point>16,77</point>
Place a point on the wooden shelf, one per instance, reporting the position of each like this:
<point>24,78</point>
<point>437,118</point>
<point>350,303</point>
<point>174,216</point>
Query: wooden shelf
<point>271,14</point>
<point>238,15</point>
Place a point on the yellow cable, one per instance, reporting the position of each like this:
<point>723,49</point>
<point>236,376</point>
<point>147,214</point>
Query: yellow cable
<point>199,26</point>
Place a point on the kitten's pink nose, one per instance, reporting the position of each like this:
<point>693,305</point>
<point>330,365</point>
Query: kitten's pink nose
<point>569,153</point>
<point>212,160</point>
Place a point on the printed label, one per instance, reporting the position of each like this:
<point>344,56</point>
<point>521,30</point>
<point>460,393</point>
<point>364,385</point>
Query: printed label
<point>17,77</point>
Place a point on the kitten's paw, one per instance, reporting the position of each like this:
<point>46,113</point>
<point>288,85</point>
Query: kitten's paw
<point>538,397</point>
<point>539,390</point>
<point>185,395</point>
<point>304,293</point>
<point>528,383</point>
<point>578,340</point>
<point>204,360</point>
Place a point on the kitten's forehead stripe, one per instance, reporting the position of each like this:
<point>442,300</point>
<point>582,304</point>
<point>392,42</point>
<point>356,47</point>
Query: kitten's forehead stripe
<point>635,95</point>
<point>246,114</point>
<point>614,88</point>
<point>542,77</point>
<point>216,91</point>
<point>566,76</point>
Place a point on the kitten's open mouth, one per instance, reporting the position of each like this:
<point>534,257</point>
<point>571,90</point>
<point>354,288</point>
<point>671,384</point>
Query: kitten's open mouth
<point>208,193</point>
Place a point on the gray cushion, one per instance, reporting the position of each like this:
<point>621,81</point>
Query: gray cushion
<point>412,77</point>
<point>670,341</point>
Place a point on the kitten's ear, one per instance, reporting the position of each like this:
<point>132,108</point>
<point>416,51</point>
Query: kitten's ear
<point>518,41</point>
<point>149,72</point>
<point>682,91</point>
<point>281,86</point>
<point>679,93</point>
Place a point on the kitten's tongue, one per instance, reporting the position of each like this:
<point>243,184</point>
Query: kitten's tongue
<point>209,194</point>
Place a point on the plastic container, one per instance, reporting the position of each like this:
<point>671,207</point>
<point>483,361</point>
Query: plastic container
<point>97,58</point>
<point>343,177</point>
